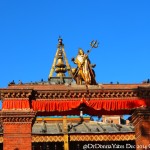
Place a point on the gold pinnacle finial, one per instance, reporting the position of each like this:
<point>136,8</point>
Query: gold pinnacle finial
<point>60,64</point>
<point>60,41</point>
<point>60,67</point>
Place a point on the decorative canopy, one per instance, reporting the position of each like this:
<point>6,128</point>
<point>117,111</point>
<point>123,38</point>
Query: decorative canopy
<point>63,99</point>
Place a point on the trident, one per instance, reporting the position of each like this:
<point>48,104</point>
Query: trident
<point>94,44</point>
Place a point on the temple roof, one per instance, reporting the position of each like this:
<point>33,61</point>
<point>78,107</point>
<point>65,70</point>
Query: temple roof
<point>60,98</point>
<point>91,127</point>
<point>41,90</point>
<point>47,86</point>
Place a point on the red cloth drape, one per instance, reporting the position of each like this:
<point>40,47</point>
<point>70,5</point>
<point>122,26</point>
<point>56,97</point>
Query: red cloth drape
<point>116,104</point>
<point>66,105</point>
<point>16,104</point>
<point>97,104</point>
<point>50,105</point>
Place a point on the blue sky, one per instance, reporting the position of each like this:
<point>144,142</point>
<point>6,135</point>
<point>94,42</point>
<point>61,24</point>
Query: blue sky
<point>29,30</point>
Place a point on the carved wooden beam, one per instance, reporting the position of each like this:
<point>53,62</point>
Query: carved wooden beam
<point>75,93</point>
<point>15,93</point>
<point>103,94</point>
<point>17,116</point>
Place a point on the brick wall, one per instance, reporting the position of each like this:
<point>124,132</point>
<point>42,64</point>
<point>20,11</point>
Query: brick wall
<point>141,121</point>
<point>17,136</point>
<point>17,125</point>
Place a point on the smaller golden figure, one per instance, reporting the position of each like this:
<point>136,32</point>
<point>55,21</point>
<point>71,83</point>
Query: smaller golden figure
<point>84,71</point>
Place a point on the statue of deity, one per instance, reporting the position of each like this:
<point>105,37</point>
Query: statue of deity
<point>84,71</point>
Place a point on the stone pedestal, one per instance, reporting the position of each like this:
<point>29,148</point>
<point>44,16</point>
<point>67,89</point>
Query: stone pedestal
<point>141,121</point>
<point>17,129</point>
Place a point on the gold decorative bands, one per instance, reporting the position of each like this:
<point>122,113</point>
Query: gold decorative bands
<point>104,137</point>
<point>110,137</point>
<point>56,138</point>
<point>59,138</point>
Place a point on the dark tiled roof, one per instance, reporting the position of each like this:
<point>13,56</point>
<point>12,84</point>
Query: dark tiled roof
<point>82,128</point>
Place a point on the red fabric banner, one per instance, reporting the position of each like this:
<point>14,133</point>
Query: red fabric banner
<point>15,104</point>
<point>117,104</point>
<point>59,105</point>
<point>97,104</point>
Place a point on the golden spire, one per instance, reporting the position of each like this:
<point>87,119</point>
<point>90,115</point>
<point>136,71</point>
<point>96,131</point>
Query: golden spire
<point>60,67</point>
<point>60,64</point>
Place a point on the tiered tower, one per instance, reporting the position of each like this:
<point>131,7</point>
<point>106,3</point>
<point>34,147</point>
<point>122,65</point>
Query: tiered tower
<point>60,66</point>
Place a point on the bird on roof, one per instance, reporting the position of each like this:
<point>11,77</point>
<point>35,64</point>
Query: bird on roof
<point>43,126</point>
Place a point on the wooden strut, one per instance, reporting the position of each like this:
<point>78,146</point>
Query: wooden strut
<point>54,64</point>
<point>66,60</point>
<point>65,128</point>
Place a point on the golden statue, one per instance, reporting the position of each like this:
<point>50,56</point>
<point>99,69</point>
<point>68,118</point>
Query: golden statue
<point>84,71</point>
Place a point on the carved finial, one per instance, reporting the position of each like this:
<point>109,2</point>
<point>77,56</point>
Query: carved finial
<point>60,41</point>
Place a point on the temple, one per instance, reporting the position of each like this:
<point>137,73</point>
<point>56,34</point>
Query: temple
<point>57,114</point>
